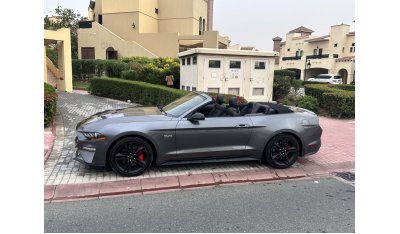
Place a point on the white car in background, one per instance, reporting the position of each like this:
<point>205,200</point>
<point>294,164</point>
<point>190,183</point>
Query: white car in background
<point>327,78</point>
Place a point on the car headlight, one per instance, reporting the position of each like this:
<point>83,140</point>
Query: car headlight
<point>94,136</point>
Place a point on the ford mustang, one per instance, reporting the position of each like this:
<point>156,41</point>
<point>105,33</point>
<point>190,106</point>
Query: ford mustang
<point>197,128</point>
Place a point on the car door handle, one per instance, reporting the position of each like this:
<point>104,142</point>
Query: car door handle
<point>242,126</point>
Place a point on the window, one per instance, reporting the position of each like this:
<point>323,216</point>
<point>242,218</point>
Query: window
<point>353,48</point>
<point>187,88</point>
<point>188,60</point>
<point>234,64</point>
<point>320,51</point>
<point>337,77</point>
<point>213,90</point>
<point>101,19</point>
<point>200,27</point>
<point>298,53</point>
<point>214,64</point>
<point>315,52</point>
<point>335,45</point>
<point>258,91</point>
<point>183,87</point>
<point>204,25</point>
<point>233,91</point>
<point>193,88</point>
<point>156,10</point>
<point>301,53</point>
<point>87,53</point>
<point>288,49</point>
<point>183,62</point>
<point>259,65</point>
<point>194,60</point>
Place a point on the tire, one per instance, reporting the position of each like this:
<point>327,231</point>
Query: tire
<point>131,156</point>
<point>282,151</point>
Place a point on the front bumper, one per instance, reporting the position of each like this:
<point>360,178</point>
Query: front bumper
<point>89,152</point>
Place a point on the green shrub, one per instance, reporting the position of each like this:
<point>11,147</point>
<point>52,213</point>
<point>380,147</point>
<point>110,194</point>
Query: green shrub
<point>148,70</point>
<point>335,101</point>
<point>129,75</point>
<point>136,91</point>
<point>340,104</point>
<point>114,68</point>
<point>288,73</point>
<point>50,104</point>
<point>309,103</point>
<point>345,87</point>
<point>281,87</point>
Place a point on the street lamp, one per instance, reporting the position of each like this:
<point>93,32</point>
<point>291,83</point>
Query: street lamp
<point>307,65</point>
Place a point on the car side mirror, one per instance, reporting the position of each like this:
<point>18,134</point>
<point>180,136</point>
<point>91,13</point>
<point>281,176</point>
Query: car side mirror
<point>196,117</point>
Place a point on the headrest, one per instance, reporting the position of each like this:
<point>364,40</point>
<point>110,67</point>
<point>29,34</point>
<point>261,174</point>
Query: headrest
<point>233,102</point>
<point>219,99</point>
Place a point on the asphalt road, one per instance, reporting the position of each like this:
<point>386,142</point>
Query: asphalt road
<point>325,205</point>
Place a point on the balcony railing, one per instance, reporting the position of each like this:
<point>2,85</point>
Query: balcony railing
<point>291,58</point>
<point>317,56</point>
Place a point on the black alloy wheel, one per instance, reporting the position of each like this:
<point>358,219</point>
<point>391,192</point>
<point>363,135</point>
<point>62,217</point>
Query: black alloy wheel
<point>282,151</point>
<point>131,156</point>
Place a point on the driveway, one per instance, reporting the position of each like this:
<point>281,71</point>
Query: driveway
<point>336,153</point>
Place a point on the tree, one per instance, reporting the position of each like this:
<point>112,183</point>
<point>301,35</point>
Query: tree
<point>65,18</point>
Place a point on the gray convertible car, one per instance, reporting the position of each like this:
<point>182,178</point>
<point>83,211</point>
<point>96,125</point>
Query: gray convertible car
<point>196,128</point>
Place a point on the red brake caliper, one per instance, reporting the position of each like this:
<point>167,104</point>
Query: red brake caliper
<point>141,155</point>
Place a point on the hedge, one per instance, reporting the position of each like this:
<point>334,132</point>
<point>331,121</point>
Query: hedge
<point>289,73</point>
<point>50,104</point>
<point>136,91</point>
<point>333,99</point>
<point>141,92</point>
<point>148,70</point>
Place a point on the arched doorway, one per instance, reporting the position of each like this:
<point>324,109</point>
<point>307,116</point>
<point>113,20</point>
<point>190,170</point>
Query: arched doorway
<point>111,53</point>
<point>344,74</point>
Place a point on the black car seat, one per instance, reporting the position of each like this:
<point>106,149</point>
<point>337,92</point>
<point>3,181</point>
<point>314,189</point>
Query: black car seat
<point>233,109</point>
<point>219,108</point>
<point>247,109</point>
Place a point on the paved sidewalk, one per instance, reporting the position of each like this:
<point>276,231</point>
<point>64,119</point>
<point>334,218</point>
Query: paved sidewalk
<point>66,178</point>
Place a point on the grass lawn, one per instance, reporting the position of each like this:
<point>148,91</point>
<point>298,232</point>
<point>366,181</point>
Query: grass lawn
<point>81,84</point>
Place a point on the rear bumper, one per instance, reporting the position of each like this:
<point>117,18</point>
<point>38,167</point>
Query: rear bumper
<point>313,142</point>
<point>312,148</point>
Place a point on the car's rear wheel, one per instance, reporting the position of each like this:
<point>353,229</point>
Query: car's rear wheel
<point>131,156</point>
<point>282,151</point>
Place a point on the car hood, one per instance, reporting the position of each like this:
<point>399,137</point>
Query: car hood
<point>124,115</point>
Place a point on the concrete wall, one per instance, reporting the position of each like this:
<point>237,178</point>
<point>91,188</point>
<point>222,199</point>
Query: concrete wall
<point>101,38</point>
<point>248,77</point>
<point>63,39</point>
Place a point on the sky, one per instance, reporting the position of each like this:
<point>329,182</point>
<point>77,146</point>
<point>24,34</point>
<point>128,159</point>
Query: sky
<point>256,22</point>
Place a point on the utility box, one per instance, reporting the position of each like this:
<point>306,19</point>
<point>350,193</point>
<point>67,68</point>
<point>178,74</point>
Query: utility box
<point>249,74</point>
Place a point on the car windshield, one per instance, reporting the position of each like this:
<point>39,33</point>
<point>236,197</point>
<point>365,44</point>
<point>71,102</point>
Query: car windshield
<point>183,104</point>
<point>323,77</point>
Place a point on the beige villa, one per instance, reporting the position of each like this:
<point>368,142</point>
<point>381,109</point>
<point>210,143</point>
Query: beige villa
<point>148,28</point>
<point>310,55</point>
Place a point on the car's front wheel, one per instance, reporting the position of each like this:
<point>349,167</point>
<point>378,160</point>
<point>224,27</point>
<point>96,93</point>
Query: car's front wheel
<point>282,151</point>
<point>131,156</point>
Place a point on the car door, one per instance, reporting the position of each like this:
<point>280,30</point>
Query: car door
<point>213,137</point>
